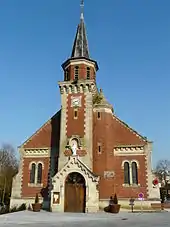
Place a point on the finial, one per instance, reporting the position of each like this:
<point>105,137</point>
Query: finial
<point>82,9</point>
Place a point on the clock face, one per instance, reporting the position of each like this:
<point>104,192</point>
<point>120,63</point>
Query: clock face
<point>76,101</point>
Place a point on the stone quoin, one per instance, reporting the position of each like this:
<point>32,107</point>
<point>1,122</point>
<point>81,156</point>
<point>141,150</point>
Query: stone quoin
<point>84,153</point>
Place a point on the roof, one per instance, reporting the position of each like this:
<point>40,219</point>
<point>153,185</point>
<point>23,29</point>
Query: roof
<point>125,135</point>
<point>80,49</point>
<point>47,136</point>
<point>80,46</point>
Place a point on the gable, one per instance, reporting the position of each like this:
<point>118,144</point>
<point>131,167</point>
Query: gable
<point>75,165</point>
<point>125,135</point>
<point>47,136</point>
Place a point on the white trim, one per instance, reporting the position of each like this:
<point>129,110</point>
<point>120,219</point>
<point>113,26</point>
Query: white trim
<point>123,151</point>
<point>36,152</point>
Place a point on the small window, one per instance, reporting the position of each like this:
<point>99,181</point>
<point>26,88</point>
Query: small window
<point>99,148</point>
<point>98,115</point>
<point>75,114</point>
<point>88,73</point>
<point>76,72</point>
<point>67,77</point>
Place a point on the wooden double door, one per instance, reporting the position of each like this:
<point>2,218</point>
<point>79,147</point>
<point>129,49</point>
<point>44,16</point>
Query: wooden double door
<point>75,193</point>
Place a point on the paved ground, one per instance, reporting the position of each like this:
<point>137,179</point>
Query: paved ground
<point>44,219</point>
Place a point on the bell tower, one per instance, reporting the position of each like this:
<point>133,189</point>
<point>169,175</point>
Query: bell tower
<point>77,89</point>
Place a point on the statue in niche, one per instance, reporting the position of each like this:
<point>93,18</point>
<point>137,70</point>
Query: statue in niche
<point>74,146</point>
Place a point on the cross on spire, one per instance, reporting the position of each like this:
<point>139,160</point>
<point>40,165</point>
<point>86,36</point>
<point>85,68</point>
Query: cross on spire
<point>82,9</point>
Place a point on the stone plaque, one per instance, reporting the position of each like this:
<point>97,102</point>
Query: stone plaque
<point>109,174</point>
<point>56,197</point>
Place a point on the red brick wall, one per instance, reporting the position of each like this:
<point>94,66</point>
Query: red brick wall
<point>75,126</point>
<point>104,133</point>
<point>127,192</point>
<point>28,191</point>
<point>82,72</point>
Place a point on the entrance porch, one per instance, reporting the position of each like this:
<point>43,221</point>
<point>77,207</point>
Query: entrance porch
<point>75,188</point>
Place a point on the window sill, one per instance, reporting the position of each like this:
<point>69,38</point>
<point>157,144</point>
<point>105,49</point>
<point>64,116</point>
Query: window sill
<point>131,185</point>
<point>35,185</point>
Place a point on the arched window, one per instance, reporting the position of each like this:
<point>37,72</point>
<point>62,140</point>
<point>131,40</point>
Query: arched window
<point>32,173</point>
<point>134,173</point>
<point>126,173</point>
<point>88,73</point>
<point>76,72</point>
<point>39,174</point>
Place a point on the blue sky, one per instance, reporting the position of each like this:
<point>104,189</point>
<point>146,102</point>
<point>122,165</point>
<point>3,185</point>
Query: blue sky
<point>130,40</point>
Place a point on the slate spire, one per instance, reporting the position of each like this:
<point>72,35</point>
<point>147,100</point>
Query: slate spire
<point>80,47</point>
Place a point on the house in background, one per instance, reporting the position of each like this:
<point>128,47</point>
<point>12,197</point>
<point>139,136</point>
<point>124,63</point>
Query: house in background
<point>84,153</point>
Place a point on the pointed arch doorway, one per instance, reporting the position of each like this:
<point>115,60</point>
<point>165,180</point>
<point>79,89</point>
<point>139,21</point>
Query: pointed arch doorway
<point>75,193</point>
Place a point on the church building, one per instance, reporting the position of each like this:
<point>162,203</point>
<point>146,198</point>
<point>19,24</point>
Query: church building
<point>84,153</point>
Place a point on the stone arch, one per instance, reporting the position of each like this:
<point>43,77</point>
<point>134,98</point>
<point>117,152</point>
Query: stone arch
<point>77,171</point>
<point>81,88</point>
<point>70,88</point>
<point>65,89</point>
<point>42,163</point>
<point>76,138</point>
<point>30,164</point>
<point>87,87</point>
<point>137,163</point>
<point>124,163</point>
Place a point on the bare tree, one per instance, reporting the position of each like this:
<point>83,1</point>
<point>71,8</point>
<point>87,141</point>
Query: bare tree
<point>162,169</point>
<point>8,168</point>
